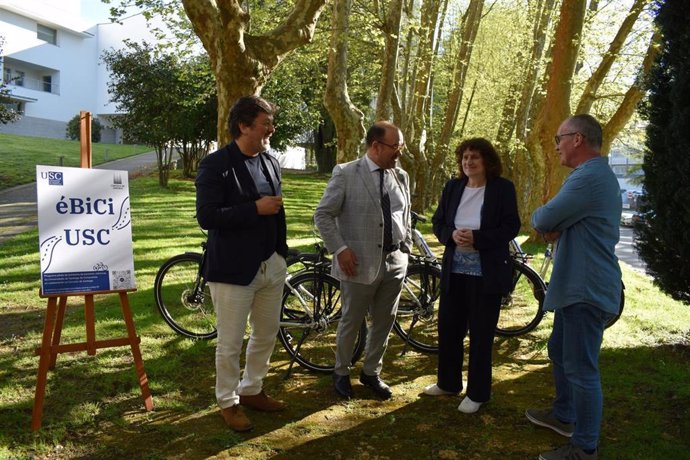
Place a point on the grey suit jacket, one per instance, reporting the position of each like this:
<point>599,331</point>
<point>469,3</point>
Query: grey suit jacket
<point>349,214</point>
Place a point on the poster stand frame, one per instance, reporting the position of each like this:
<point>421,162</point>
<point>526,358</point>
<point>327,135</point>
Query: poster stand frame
<point>55,314</point>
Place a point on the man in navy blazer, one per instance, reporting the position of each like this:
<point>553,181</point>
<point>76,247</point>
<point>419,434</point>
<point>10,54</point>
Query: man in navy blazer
<point>239,202</point>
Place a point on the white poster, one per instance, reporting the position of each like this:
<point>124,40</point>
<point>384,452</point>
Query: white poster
<point>84,230</point>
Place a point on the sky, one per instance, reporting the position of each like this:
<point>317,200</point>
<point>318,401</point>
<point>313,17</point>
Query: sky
<point>95,10</point>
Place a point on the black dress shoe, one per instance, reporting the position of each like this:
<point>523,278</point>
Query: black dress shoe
<point>376,384</point>
<point>342,385</point>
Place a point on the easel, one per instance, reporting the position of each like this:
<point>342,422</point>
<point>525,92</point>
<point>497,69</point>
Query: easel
<point>55,315</point>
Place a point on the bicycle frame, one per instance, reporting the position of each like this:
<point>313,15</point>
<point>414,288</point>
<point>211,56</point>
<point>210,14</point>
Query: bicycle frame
<point>319,267</point>
<point>520,255</point>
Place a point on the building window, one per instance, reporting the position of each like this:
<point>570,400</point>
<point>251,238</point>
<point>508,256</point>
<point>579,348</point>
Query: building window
<point>46,34</point>
<point>19,79</point>
<point>8,75</point>
<point>47,83</point>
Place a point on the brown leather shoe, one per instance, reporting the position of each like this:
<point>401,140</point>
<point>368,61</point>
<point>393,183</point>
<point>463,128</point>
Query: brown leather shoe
<point>234,417</point>
<point>262,402</point>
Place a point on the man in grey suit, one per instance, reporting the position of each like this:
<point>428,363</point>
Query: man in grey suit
<point>364,219</point>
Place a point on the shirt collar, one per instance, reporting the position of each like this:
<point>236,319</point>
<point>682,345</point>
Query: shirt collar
<point>372,166</point>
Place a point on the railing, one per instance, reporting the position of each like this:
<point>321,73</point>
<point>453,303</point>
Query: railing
<point>35,84</point>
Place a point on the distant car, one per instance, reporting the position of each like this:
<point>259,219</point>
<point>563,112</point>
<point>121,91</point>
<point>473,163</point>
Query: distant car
<point>627,218</point>
<point>631,218</point>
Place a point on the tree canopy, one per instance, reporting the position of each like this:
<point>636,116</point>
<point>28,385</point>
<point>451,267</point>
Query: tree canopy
<point>439,69</point>
<point>167,103</point>
<point>73,130</point>
<point>663,240</point>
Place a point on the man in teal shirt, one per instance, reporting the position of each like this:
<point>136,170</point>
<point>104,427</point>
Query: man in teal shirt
<point>585,287</point>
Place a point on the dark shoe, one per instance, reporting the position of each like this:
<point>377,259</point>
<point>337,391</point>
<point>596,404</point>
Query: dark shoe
<point>342,385</point>
<point>568,452</point>
<point>234,418</point>
<point>382,390</point>
<point>545,418</point>
<point>262,402</point>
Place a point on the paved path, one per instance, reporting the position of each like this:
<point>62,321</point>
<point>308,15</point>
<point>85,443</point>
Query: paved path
<point>18,204</point>
<point>626,252</point>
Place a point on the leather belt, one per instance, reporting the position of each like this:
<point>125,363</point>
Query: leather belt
<point>392,248</point>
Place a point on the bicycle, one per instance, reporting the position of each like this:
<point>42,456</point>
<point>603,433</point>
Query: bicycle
<point>310,304</point>
<point>521,309</point>
<point>419,296</point>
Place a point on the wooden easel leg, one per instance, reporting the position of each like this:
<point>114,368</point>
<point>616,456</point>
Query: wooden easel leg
<point>57,333</point>
<point>136,353</point>
<point>43,364</point>
<point>90,325</point>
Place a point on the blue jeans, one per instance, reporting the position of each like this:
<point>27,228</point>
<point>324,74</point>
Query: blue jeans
<point>574,347</point>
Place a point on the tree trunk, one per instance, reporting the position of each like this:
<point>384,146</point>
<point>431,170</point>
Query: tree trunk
<point>416,118</point>
<point>242,63</point>
<point>391,30</point>
<point>516,109</point>
<point>590,92</point>
<point>544,164</point>
<point>632,97</point>
<point>346,117</point>
<point>469,28</point>
<point>324,148</point>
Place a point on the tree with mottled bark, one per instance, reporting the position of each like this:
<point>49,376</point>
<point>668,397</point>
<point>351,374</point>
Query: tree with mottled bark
<point>347,118</point>
<point>241,61</point>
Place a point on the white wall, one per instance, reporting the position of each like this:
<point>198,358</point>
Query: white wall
<point>71,62</point>
<point>80,80</point>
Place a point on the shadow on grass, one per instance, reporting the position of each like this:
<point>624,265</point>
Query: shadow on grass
<point>93,407</point>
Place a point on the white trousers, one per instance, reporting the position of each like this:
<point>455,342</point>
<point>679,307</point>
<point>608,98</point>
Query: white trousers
<point>260,303</point>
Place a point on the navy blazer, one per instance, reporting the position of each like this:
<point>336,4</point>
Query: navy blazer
<point>239,239</point>
<point>499,223</point>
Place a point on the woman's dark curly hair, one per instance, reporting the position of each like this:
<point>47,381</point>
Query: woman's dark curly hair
<point>492,162</point>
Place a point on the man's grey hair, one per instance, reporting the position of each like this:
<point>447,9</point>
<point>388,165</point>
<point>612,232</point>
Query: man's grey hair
<point>589,127</point>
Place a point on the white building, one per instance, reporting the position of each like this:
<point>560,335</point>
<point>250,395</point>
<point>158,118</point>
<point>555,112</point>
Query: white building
<point>51,61</point>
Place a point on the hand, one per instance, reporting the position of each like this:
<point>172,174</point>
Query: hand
<point>550,237</point>
<point>347,260</point>
<point>463,237</point>
<point>268,205</point>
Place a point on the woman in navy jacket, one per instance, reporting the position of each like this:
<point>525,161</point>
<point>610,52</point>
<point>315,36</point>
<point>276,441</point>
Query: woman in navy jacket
<point>476,218</point>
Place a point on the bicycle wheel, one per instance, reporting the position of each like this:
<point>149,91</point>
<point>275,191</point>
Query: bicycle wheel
<point>417,319</point>
<point>521,309</point>
<point>309,318</point>
<point>183,298</point>
<point>613,320</point>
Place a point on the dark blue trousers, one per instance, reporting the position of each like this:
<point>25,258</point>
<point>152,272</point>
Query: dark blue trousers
<point>465,306</point>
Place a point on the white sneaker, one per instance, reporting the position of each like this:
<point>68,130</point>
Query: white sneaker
<point>468,406</point>
<point>434,390</point>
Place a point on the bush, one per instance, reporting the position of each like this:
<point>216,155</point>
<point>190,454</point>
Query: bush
<point>74,129</point>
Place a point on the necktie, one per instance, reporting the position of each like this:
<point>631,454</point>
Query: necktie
<point>386,209</point>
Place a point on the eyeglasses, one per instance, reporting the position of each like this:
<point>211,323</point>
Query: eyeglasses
<point>558,137</point>
<point>267,124</point>
<point>395,147</point>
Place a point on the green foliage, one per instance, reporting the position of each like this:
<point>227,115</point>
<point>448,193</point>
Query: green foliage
<point>73,130</point>
<point>297,88</point>
<point>168,103</point>
<point>664,242</point>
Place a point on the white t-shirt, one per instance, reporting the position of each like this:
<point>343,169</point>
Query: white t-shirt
<point>468,215</point>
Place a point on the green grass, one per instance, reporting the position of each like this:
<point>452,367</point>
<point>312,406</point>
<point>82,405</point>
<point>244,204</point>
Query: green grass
<point>19,156</point>
<point>93,408</point>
